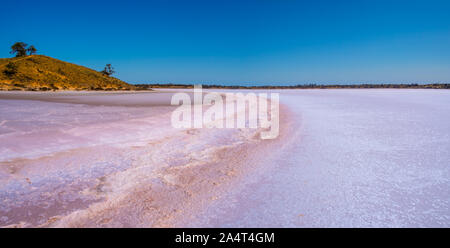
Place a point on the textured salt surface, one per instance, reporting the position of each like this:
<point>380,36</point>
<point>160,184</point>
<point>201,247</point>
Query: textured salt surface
<point>357,158</point>
<point>350,158</point>
<point>103,164</point>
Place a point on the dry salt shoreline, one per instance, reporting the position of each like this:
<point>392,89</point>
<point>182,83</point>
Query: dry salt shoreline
<point>149,178</point>
<point>344,158</point>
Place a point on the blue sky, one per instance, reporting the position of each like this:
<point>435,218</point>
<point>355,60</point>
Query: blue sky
<point>240,42</point>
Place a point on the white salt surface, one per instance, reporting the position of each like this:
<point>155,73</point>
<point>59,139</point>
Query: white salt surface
<point>356,158</point>
<point>351,158</point>
<point>89,159</point>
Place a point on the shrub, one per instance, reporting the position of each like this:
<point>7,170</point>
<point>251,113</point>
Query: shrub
<point>10,69</point>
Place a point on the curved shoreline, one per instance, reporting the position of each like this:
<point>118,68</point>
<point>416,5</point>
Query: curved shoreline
<point>178,193</point>
<point>344,158</point>
<point>150,181</point>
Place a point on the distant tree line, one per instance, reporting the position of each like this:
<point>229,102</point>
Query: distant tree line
<point>301,86</point>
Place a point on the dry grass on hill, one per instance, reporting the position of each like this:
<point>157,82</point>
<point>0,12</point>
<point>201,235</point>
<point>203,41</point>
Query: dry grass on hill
<point>39,72</point>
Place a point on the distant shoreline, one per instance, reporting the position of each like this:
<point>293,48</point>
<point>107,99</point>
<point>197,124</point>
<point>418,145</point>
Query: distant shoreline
<point>306,86</point>
<point>150,87</point>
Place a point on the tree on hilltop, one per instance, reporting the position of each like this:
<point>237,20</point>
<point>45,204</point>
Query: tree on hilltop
<point>31,50</point>
<point>19,48</point>
<point>108,71</point>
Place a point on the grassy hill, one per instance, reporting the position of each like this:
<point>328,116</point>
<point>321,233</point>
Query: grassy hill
<point>38,72</point>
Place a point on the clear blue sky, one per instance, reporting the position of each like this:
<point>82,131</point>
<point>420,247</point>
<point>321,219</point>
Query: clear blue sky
<point>240,42</point>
